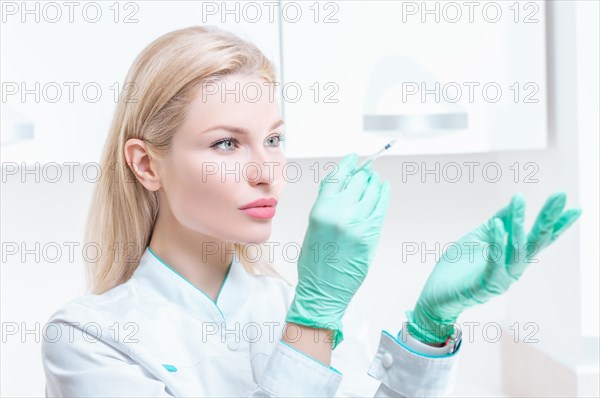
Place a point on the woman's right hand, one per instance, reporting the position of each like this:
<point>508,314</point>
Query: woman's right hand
<point>339,245</point>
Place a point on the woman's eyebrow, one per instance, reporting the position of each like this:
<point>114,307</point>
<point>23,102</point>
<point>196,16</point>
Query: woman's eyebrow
<point>239,130</point>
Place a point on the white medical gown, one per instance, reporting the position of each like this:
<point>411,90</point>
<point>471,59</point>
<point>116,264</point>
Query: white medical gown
<point>157,335</point>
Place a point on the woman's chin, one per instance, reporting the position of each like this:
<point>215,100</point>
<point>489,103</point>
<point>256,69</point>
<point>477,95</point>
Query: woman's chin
<point>252,241</point>
<point>255,236</point>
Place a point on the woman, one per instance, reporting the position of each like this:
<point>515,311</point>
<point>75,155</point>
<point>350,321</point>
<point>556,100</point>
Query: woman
<point>178,307</point>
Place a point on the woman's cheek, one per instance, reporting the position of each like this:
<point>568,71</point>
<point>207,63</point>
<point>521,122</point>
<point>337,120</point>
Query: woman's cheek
<point>280,172</point>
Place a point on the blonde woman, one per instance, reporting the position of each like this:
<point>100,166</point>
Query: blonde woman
<point>177,305</point>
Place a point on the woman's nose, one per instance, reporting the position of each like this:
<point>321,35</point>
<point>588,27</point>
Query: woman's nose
<point>262,169</point>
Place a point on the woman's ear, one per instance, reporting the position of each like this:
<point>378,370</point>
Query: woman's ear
<point>140,162</point>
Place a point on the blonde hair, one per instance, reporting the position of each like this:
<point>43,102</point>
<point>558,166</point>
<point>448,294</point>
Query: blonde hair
<point>160,84</point>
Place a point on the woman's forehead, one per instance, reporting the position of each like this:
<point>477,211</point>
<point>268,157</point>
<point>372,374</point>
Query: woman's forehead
<point>238,89</point>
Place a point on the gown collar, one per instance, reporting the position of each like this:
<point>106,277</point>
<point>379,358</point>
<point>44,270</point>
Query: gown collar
<point>154,273</point>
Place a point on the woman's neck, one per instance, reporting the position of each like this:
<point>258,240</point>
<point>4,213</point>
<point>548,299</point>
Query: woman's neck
<point>200,259</point>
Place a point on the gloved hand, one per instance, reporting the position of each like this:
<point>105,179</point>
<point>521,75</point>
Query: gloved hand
<point>491,258</point>
<point>339,244</point>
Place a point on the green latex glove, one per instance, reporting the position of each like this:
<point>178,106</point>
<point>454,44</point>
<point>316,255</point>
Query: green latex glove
<point>339,245</point>
<point>491,258</point>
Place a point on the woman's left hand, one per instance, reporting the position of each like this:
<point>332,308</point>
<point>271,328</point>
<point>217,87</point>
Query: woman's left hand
<point>484,263</point>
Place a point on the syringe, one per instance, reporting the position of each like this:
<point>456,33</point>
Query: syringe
<point>369,160</point>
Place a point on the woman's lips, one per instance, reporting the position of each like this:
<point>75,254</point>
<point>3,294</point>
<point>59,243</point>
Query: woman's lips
<point>260,212</point>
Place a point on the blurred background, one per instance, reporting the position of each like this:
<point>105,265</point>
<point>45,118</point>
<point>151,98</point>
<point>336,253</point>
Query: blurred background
<point>486,99</point>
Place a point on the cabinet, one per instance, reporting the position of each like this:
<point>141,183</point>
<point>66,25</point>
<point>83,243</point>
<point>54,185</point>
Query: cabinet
<point>63,66</point>
<point>452,77</point>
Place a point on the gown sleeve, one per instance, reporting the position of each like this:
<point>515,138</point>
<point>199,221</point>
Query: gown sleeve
<point>399,366</point>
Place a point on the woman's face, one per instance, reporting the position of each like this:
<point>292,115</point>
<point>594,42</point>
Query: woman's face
<point>227,154</point>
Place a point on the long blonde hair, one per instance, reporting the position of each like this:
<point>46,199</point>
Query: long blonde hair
<point>160,84</point>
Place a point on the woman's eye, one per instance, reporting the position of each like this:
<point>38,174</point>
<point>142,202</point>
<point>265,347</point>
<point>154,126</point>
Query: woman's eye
<point>277,139</point>
<point>229,144</point>
<point>226,148</point>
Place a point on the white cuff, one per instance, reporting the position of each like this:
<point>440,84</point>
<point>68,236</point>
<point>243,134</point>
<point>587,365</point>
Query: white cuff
<point>419,347</point>
<point>409,373</point>
<point>290,372</point>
